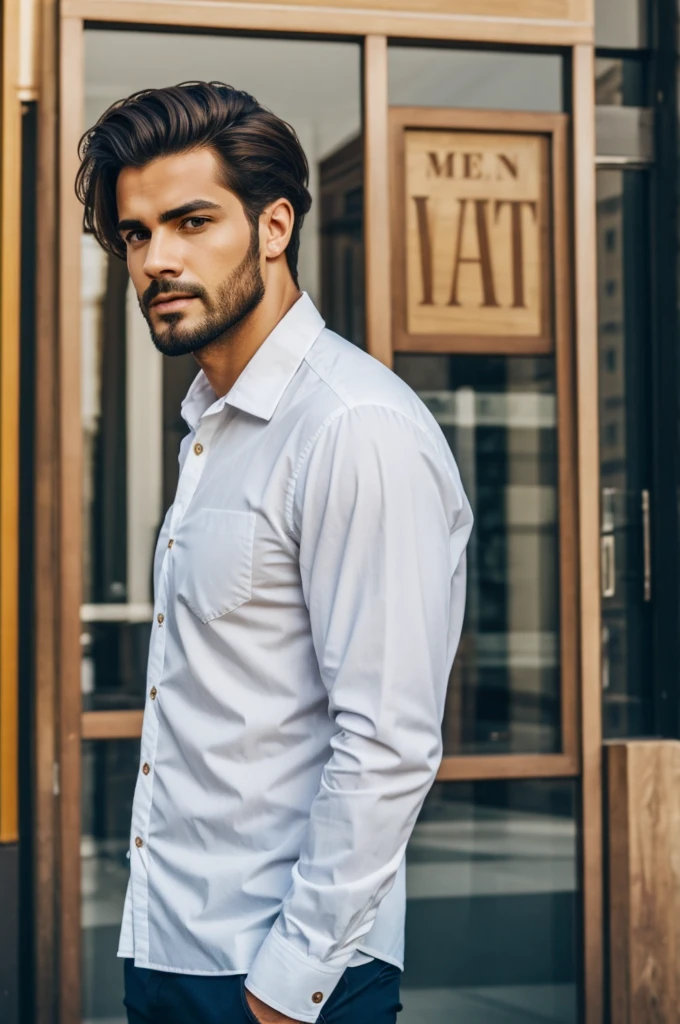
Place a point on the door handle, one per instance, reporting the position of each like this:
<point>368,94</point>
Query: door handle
<point>646,548</point>
<point>608,564</point>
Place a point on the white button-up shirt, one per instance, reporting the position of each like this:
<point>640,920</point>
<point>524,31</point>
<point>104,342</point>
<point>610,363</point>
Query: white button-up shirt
<point>309,591</point>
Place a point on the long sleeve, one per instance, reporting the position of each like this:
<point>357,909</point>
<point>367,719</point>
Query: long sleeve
<point>382,523</point>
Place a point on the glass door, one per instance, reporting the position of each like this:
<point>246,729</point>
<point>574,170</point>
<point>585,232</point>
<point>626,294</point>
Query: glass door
<point>495,894</point>
<point>624,197</point>
<point>494,889</point>
<point>132,427</point>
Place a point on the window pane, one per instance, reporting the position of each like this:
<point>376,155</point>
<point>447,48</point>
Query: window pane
<point>109,771</point>
<point>624,353</point>
<point>620,81</point>
<point>491,924</point>
<point>131,397</point>
<point>437,77</point>
<point>498,415</point>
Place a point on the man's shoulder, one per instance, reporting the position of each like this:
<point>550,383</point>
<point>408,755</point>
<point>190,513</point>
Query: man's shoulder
<point>357,379</point>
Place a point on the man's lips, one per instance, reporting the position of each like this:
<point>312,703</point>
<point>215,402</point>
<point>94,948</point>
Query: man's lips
<point>171,303</point>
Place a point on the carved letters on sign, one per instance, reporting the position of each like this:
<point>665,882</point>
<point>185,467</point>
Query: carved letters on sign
<point>476,233</point>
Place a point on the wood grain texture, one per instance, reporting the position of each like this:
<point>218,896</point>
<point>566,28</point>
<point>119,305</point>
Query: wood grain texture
<point>111,725</point>
<point>72,75</point>
<point>45,532</point>
<point>566,442</point>
<point>643,783</point>
<point>10,250</point>
<point>507,766</point>
<point>355,19</point>
<point>586,376</point>
<point>523,10</point>
<point>376,200</point>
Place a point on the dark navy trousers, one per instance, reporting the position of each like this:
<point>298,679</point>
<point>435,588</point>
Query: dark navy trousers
<point>364,995</point>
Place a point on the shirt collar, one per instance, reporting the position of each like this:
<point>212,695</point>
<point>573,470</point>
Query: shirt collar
<point>262,383</point>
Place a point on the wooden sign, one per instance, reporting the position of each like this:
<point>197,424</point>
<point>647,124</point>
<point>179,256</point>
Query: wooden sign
<point>473,229</point>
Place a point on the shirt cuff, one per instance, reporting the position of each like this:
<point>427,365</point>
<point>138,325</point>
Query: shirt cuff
<point>290,982</point>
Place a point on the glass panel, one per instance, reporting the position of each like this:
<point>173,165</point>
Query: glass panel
<point>109,770</point>
<point>479,79</point>
<point>620,82</point>
<point>622,24</point>
<point>130,396</point>
<point>498,415</point>
<point>491,924</point>
<point>623,327</point>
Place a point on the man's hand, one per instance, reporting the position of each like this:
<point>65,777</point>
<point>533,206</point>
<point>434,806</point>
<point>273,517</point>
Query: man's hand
<point>266,1014</point>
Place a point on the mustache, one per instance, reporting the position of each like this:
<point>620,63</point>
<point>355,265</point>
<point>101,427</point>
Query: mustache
<point>157,288</point>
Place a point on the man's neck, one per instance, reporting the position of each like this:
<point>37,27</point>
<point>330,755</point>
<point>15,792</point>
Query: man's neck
<point>225,359</point>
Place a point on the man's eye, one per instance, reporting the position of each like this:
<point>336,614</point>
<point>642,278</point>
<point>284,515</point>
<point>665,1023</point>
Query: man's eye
<point>133,236</point>
<point>196,222</point>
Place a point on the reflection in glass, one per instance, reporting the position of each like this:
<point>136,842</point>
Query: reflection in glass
<point>620,82</point>
<point>498,415</point>
<point>623,331</point>
<point>109,771</point>
<point>131,396</point>
<point>431,76</point>
<point>491,932</point>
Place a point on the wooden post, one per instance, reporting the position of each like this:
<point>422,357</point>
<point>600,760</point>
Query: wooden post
<point>643,786</point>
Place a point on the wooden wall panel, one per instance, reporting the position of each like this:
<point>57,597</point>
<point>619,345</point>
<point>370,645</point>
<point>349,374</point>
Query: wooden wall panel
<point>643,782</point>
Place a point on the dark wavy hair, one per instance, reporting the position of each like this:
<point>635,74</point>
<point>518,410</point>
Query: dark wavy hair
<point>261,156</point>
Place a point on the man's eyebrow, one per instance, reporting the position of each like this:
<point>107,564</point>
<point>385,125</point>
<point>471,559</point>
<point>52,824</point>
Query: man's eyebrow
<point>178,211</point>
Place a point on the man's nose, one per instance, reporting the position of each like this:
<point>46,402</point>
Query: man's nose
<point>162,257</point>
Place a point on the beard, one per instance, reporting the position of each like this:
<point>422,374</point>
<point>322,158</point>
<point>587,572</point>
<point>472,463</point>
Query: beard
<point>234,300</point>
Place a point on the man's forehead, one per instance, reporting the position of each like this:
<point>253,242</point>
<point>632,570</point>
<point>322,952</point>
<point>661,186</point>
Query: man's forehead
<point>170,181</point>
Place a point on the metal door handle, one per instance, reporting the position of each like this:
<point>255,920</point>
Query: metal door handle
<point>608,564</point>
<point>646,548</point>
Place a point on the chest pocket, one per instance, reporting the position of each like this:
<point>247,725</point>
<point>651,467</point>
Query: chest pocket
<point>214,564</point>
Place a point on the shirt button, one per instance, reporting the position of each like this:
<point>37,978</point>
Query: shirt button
<point>171,542</point>
<point>317,997</point>
<point>152,692</point>
<point>161,618</point>
<point>146,769</point>
<point>198,448</point>
<point>139,842</point>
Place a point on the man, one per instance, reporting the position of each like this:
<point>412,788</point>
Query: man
<point>309,589</point>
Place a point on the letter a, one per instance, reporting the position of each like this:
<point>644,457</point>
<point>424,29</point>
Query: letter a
<point>484,258</point>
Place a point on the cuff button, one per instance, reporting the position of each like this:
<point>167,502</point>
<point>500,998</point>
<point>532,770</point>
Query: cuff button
<point>317,997</point>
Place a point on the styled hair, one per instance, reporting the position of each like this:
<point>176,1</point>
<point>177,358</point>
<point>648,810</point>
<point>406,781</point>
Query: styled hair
<point>261,156</point>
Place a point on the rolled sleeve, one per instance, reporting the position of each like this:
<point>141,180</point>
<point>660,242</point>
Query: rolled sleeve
<point>382,522</point>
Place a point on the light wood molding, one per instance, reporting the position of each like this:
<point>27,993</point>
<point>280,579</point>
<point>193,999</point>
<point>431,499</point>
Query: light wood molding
<point>45,580</point>
<point>376,200</point>
<point>71,87</point>
<point>111,725</point>
<point>508,766</point>
<point>643,816</point>
<point>346,19</point>
<point>10,303</point>
<point>566,443</point>
<point>588,469</point>
<point>118,725</point>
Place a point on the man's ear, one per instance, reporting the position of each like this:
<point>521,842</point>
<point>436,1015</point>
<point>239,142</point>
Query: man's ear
<point>276,224</point>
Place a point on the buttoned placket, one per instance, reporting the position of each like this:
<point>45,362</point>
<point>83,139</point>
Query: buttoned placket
<point>191,473</point>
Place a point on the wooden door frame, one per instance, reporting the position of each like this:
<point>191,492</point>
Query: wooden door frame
<point>64,454</point>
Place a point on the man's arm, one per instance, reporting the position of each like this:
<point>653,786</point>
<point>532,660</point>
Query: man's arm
<point>382,523</point>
